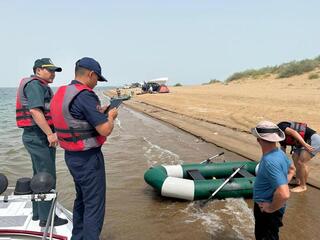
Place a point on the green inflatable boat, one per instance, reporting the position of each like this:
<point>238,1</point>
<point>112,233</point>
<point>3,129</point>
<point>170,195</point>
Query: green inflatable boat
<point>198,181</point>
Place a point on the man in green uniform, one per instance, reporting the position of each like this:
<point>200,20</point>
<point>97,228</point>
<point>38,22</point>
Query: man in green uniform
<point>40,140</point>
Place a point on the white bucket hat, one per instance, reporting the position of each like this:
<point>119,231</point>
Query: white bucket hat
<point>268,131</point>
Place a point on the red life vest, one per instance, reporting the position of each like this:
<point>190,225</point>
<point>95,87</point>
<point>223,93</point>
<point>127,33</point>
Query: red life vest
<point>23,115</point>
<point>300,128</point>
<point>73,134</point>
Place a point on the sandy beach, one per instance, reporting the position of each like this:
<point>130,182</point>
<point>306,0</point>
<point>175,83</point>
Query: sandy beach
<point>224,113</point>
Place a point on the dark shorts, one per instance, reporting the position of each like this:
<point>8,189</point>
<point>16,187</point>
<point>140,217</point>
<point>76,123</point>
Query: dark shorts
<point>267,224</point>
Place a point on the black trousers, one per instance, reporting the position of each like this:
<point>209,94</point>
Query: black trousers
<point>267,224</point>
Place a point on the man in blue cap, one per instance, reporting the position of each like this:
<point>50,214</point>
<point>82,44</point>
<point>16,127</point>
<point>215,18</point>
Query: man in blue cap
<point>82,128</point>
<point>33,115</point>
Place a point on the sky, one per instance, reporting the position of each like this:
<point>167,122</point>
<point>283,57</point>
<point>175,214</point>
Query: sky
<point>190,42</point>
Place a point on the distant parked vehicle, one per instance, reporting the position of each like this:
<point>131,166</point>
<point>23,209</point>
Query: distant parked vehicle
<point>135,85</point>
<point>155,88</point>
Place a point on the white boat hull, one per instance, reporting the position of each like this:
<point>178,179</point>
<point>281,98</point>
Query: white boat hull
<point>16,221</point>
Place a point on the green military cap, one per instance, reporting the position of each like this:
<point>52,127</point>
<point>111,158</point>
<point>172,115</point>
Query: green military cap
<point>46,63</point>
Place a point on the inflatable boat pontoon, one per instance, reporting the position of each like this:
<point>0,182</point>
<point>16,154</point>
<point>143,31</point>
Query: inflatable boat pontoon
<point>199,181</point>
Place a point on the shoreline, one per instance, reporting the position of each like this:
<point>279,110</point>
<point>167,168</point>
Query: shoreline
<point>236,141</point>
<point>232,138</point>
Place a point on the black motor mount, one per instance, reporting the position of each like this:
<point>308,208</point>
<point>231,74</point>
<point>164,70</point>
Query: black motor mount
<point>23,186</point>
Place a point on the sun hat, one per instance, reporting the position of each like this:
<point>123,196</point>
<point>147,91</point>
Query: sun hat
<point>92,65</point>
<point>268,131</point>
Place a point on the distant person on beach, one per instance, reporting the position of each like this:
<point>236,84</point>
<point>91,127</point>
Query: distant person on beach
<point>118,92</point>
<point>271,190</point>
<point>40,140</point>
<point>82,128</point>
<point>144,87</point>
<point>150,89</point>
<point>305,143</point>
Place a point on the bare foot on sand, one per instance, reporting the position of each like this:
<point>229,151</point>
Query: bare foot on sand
<point>294,182</point>
<point>299,189</point>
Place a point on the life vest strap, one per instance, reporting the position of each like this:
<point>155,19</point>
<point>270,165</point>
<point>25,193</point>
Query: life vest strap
<point>22,110</point>
<point>27,110</point>
<point>78,138</point>
<point>74,130</point>
<point>30,117</point>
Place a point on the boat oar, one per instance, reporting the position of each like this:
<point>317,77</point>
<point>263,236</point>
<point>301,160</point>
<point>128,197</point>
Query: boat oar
<point>210,158</point>
<point>221,186</point>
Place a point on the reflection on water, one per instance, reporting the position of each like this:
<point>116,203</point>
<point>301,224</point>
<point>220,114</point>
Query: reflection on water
<point>230,218</point>
<point>135,210</point>
<point>156,155</point>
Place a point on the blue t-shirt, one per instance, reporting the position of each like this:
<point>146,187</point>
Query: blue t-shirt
<point>85,106</point>
<point>272,173</point>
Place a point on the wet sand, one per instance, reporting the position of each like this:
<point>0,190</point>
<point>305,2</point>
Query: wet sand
<point>223,114</point>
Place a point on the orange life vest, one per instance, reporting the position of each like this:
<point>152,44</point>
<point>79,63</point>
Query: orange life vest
<point>300,128</point>
<point>73,134</point>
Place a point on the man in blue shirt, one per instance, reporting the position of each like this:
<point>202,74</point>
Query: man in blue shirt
<point>271,190</point>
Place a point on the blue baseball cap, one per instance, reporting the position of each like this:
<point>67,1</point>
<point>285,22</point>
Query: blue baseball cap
<point>92,65</point>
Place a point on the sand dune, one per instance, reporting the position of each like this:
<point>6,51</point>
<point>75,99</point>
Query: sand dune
<point>241,104</point>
